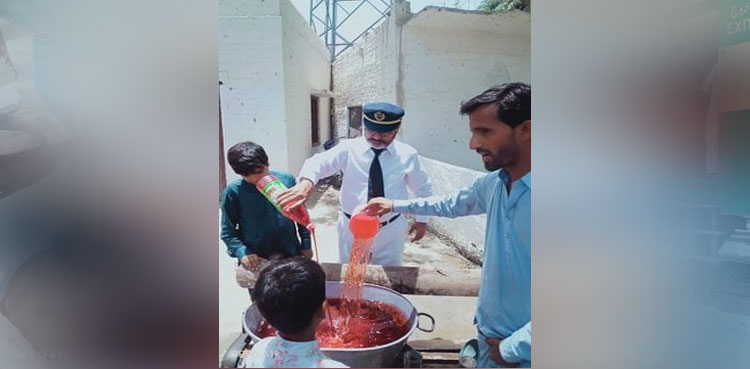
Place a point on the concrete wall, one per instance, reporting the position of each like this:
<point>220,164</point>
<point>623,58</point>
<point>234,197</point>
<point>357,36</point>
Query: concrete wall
<point>359,76</point>
<point>250,67</point>
<point>368,71</point>
<point>428,63</point>
<point>450,56</point>
<point>307,71</point>
<point>466,233</point>
<point>270,62</point>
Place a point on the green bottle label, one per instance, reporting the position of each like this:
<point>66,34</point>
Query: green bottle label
<point>272,191</point>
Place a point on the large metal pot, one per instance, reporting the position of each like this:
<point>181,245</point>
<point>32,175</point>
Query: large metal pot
<point>370,357</point>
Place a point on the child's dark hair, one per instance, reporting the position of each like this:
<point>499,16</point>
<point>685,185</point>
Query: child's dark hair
<point>247,158</point>
<point>289,292</point>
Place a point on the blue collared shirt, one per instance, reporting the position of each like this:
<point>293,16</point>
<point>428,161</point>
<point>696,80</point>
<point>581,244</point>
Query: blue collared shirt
<point>504,305</point>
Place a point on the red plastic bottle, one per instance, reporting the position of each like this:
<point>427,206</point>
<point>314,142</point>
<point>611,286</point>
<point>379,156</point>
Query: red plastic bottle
<point>270,186</point>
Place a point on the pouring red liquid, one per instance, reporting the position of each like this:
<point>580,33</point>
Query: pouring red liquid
<point>364,226</point>
<point>351,322</point>
<point>271,187</point>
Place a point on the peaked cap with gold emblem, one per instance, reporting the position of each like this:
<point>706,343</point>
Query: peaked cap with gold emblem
<point>381,117</point>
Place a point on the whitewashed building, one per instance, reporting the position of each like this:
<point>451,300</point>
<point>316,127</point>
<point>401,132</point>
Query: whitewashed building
<point>428,63</point>
<point>275,77</point>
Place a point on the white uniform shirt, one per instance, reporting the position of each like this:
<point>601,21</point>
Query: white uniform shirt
<point>400,164</point>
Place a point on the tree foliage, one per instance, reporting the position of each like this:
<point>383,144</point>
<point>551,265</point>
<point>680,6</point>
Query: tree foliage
<point>504,5</point>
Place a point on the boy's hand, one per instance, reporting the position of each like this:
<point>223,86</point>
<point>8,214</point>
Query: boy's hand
<point>378,206</point>
<point>295,196</point>
<point>419,229</point>
<point>307,253</point>
<point>251,262</point>
<point>494,344</point>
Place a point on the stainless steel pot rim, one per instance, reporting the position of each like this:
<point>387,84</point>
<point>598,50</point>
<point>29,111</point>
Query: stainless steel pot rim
<point>403,338</point>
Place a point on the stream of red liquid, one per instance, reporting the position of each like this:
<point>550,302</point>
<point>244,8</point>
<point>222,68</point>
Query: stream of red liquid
<point>317,259</point>
<point>357,269</point>
<point>352,322</point>
<point>315,243</point>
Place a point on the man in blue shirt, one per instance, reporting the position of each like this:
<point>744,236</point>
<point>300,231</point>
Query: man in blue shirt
<point>500,123</point>
<point>251,227</point>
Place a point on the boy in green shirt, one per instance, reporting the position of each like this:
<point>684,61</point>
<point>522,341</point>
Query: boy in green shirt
<point>251,227</point>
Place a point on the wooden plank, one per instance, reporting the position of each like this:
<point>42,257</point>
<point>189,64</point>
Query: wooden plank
<point>439,356</point>
<point>440,365</point>
<point>402,279</point>
<point>435,344</point>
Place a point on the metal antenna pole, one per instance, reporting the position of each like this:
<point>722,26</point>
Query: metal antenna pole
<point>324,19</point>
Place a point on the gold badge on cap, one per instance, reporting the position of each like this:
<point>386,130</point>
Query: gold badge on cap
<point>379,116</point>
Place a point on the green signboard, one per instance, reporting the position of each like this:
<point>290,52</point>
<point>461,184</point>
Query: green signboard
<point>735,22</point>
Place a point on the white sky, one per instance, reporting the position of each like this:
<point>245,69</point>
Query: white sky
<point>366,15</point>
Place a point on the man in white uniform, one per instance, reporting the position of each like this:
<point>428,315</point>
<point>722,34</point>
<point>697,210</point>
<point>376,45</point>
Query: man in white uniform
<point>374,165</point>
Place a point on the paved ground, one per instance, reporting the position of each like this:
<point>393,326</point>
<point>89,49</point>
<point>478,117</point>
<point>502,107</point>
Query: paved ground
<point>453,314</point>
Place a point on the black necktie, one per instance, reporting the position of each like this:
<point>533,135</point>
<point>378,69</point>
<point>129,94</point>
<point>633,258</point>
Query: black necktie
<point>375,183</point>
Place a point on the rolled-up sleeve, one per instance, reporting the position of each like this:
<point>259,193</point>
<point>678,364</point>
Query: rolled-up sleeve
<point>325,164</point>
<point>517,347</point>
<point>466,201</point>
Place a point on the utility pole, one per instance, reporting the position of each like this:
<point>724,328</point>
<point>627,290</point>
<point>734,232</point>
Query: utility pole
<point>325,20</point>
